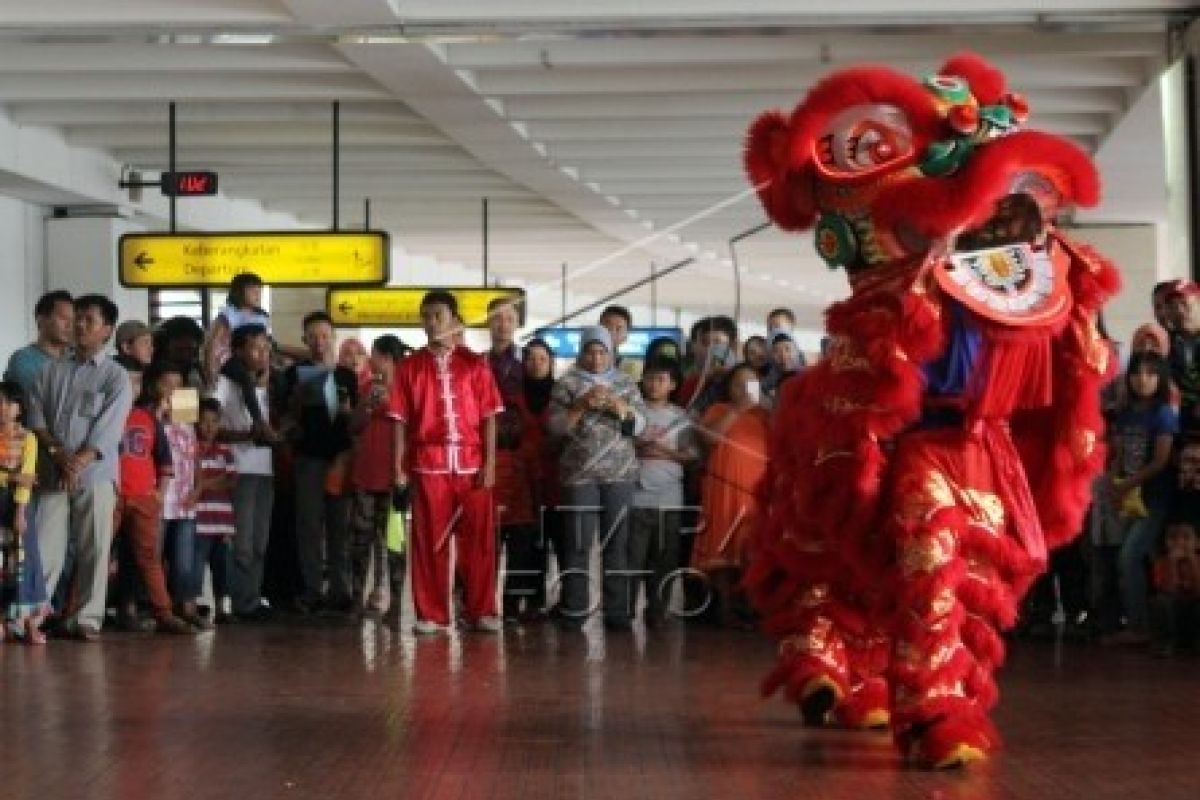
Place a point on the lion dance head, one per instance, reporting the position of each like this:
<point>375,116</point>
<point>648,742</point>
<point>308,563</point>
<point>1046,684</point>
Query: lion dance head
<point>892,170</point>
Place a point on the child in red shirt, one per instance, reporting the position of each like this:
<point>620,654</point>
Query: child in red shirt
<point>145,470</point>
<point>373,477</point>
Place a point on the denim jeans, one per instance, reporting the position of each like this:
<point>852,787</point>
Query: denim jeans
<point>1141,535</point>
<point>179,548</point>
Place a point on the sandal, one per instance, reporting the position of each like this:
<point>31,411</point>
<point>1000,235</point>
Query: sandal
<point>33,632</point>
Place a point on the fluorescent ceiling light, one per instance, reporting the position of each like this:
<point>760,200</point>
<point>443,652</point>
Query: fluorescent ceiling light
<point>243,38</point>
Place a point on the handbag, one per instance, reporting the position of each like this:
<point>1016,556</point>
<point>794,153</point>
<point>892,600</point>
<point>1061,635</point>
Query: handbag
<point>396,531</point>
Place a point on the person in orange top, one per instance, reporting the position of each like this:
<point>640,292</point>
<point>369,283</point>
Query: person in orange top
<point>735,431</point>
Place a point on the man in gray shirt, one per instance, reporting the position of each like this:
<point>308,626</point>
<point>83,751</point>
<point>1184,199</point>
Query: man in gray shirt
<point>78,409</point>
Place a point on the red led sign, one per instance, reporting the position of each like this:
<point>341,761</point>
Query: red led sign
<point>189,184</point>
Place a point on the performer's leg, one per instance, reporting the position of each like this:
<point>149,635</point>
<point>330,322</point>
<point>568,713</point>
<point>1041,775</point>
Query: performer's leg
<point>935,719</point>
<point>812,666</point>
<point>433,518</point>
<point>476,548</point>
<point>867,655</point>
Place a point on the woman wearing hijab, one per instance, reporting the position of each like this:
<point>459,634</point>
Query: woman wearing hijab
<point>353,356</point>
<point>596,411</point>
<point>527,560</point>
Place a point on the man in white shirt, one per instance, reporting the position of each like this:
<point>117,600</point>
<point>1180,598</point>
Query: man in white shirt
<point>254,491</point>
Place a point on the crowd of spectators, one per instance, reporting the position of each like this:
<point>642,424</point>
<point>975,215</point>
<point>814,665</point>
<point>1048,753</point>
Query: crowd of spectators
<point>176,478</point>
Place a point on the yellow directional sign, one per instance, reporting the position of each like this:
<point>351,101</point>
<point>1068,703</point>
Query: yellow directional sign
<point>282,258</point>
<point>396,307</point>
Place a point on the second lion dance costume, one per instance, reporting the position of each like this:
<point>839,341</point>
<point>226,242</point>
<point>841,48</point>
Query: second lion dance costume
<point>921,472</point>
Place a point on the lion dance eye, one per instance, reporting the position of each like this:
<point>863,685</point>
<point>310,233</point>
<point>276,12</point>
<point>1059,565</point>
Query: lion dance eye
<point>863,140</point>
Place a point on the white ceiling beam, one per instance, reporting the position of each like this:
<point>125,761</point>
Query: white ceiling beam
<point>99,112</point>
<point>749,12</point>
<point>748,103</point>
<point>1022,75</point>
<point>718,150</point>
<point>832,49</point>
<point>149,85</point>
<point>165,14</point>
<point>94,59</point>
<point>384,194</point>
<point>215,135</point>
<point>481,182</point>
<point>421,79</point>
<point>303,158</point>
<point>704,127</point>
<point>357,13</point>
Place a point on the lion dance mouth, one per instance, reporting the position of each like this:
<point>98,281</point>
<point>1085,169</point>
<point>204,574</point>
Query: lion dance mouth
<point>922,471</point>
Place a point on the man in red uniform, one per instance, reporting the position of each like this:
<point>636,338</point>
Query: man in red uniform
<point>447,407</point>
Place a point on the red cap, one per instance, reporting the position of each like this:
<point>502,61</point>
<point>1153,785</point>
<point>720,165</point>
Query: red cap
<point>1184,289</point>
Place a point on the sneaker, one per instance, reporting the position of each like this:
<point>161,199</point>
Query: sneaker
<point>132,623</point>
<point>259,613</point>
<point>197,621</point>
<point>570,623</point>
<point>424,627</point>
<point>308,604</point>
<point>337,606</point>
<point>1126,638</point>
<point>378,601</point>
<point>174,625</point>
<point>488,625</point>
<point>85,633</point>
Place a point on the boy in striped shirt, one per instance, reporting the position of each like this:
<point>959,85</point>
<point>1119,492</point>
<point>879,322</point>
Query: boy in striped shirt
<point>214,508</point>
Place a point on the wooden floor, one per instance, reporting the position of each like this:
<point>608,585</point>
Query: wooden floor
<point>327,711</point>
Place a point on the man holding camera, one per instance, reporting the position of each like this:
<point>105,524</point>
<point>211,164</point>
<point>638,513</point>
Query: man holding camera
<point>320,397</point>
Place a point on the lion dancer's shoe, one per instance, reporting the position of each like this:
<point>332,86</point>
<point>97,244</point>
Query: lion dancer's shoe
<point>834,677</point>
<point>948,742</point>
<point>866,708</point>
<point>812,670</point>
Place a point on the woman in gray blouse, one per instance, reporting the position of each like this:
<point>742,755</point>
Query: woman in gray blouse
<point>597,410</point>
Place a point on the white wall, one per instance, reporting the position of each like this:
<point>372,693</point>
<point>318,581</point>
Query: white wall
<point>22,272</point>
<point>1135,251</point>
<point>81,257</point>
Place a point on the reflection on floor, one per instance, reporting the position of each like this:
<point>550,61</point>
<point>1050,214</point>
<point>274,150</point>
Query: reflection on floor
<point>328,711</point>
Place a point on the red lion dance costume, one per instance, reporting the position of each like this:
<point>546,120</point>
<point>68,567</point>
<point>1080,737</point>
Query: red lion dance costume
<point>922,470</point>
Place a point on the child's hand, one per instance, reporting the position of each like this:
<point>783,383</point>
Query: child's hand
<point>20,523</point>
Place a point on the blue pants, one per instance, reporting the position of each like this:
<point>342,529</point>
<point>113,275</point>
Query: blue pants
<point>1141,536</point>
<point>24,590</point>
<point>180,550</point>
